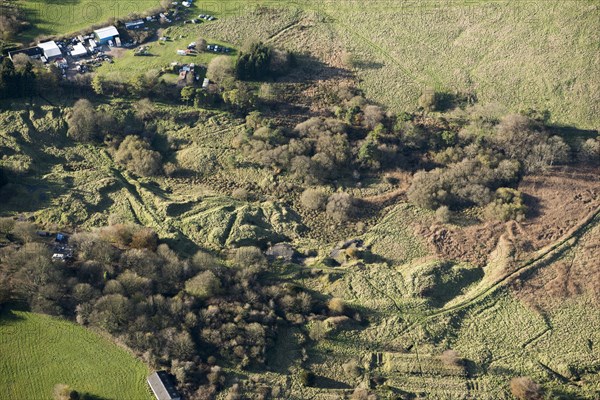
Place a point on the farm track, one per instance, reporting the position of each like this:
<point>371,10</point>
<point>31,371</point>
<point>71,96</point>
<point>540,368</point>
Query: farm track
<point>282,31</point>
<point>543,255</point>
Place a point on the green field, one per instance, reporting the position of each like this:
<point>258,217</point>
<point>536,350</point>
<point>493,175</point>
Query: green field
<point>38,352</point>
<point>62,17</point>
<point>518,55</point>
<point>537,54</point>
<point>161,54</point>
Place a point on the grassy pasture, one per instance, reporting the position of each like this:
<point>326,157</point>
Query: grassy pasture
<point>536,54</point>
<point>61,17</point>
<point>39,351</point>
<point>127,65</point>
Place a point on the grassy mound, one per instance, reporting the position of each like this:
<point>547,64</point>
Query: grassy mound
<point>39,352</point>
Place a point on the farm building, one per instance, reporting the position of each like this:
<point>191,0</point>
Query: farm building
<point>162,386</point>
<point>79,50</point>
<point>106,34</point>
<point>50,49</point>
<point>134,24</point>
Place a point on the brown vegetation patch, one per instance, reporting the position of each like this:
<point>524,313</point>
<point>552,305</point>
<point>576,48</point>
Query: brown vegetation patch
<point>558,200</point>
<point>575,274</point>
<point>471,244</point>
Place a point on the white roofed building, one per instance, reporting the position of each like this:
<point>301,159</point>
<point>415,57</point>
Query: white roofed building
<point>79,50</point>
<point>50,49</point>
<point>106,34</point>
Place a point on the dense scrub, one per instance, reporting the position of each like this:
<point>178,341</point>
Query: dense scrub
<point>183,314</point>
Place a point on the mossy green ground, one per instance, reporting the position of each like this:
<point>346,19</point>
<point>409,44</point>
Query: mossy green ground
<point>38,352</point>
<point>537,54</point>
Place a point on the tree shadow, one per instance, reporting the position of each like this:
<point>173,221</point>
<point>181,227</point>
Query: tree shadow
<point>571,134</point>
<point>534,207</point>
<point>309,69</point>
<point>367,64</point>
<point>446,101</point>
<point>8,317</point>
<point>91,396</point>
<point>322,382</point>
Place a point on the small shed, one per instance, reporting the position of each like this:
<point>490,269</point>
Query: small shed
<point>281,251</point>
<point>134,24</point>
<point>162,386</point>
<point>106,34</point>
<point>32,52</point>
<point>50,49</point>
<point>79,50</point>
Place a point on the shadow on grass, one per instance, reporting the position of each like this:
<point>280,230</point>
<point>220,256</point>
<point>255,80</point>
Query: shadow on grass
<point>534,207</point>
<point>7,315</point>
<point>91,396</point>
<point>323,382</point>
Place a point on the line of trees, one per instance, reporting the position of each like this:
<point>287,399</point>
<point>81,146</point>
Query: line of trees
<point>17,82</point>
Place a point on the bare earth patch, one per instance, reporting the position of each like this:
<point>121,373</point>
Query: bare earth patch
<point>558,201</point>
<point>575,274</point>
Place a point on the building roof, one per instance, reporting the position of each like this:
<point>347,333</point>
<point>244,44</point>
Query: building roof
<point>107,32</point>
<point>134,23</point>
<point>50,49</point>
<point>79,50</point>
<point>162,386</point>
<point>33,52</point>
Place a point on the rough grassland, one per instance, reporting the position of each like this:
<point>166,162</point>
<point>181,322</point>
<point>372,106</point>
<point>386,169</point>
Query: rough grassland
<point>38,351</point>
<point>61,17</point>
<point>528,54</point>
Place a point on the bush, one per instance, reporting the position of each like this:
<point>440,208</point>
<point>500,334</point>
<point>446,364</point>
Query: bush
<point>362,394</point>
<point>6,225</point>
<point>589,151</point>
<point>144,109</point>
<point>523,388</point>
<point>82,121</point>
<point>258,61</point>
<point>340,206</point>
<point>249,256</point>
<point>352,369</point>
<point>450,358</point>
<point>317,330</point>
<point>507,205</point>
<point>521,138</point>
<point>24,231</point>
<point>313,199</point>
<point>240,194</point>
<point>307,378</point>
<point>204,285</point>
<point>336,306</point>
<point>137,156</point>
<point>428,100</point>
<point>465,183</point>
<point>220,69</point>
<point>144,238</point>
<point>443,214</point>
<point>64,392</point>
